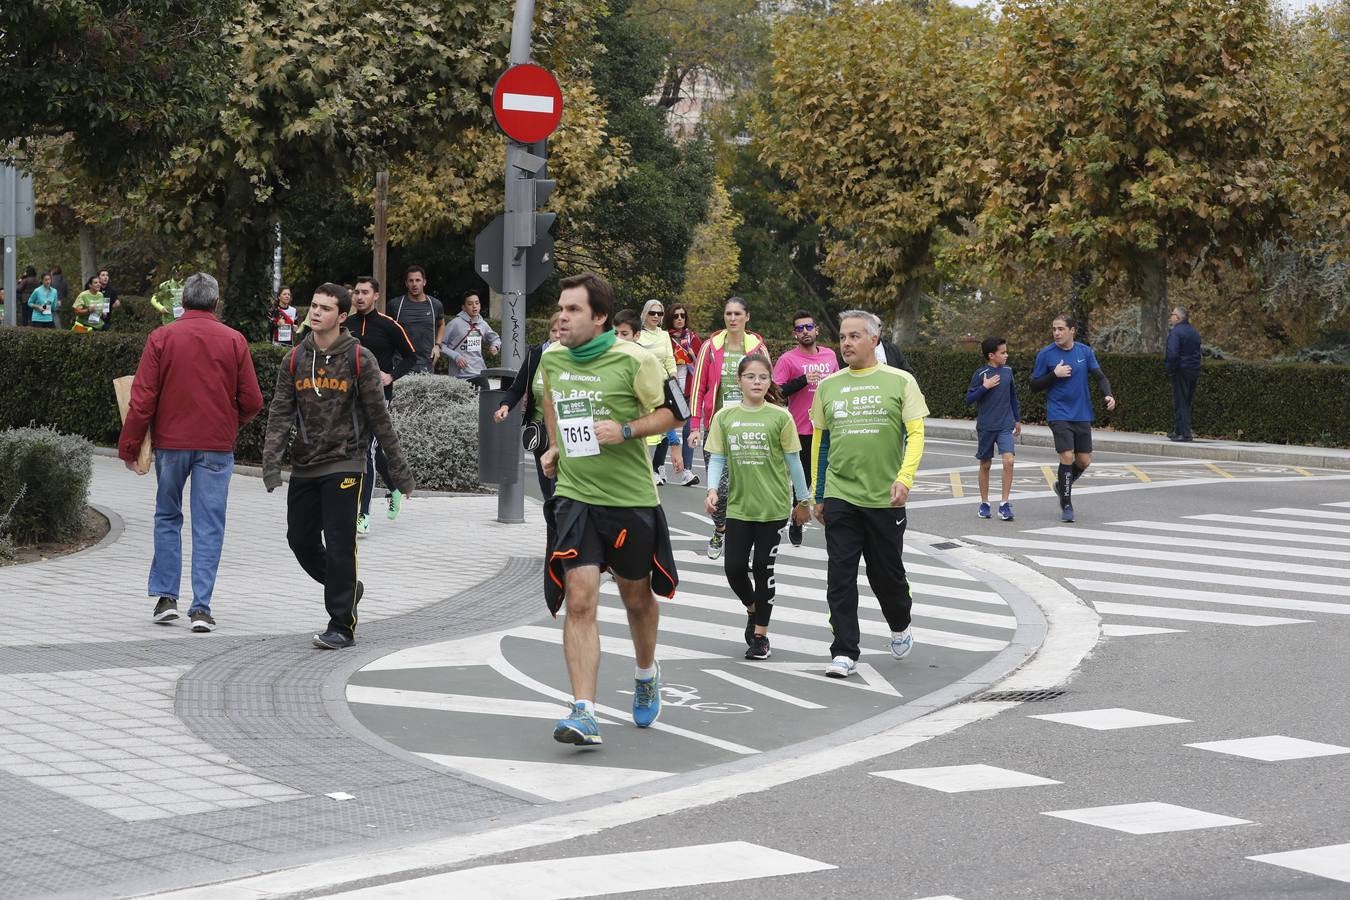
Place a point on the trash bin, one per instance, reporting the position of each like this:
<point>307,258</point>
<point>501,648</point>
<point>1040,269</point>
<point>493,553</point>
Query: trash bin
<point>499,447</point>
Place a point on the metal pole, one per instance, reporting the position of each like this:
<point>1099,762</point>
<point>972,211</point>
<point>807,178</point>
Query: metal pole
<point>511,497</point>
<point>9,190</point>
<point>381,261</point>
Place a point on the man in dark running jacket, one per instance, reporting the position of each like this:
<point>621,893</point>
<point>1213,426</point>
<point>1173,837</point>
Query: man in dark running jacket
<point>329,392</point>
<point>385,338</point>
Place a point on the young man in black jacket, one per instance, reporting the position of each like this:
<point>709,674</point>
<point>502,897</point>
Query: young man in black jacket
<point>395,353</point>
<point>329,392</point>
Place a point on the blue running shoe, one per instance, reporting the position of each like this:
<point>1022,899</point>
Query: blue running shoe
<point>901,643</point>
<point>578,728</point>
<point>984,511</point>
<point>1066,514</point>
<point>1005,512</point>
<point>647,699</point>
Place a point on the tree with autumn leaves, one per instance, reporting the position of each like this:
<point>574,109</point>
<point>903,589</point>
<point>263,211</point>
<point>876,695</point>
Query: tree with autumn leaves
<point>1073,136</point>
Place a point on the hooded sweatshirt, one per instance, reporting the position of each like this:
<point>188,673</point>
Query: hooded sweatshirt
<point>333,399</point>
<point>464,339</point>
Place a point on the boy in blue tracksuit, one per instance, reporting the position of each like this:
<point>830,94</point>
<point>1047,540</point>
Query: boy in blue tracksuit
<point>998,421</point>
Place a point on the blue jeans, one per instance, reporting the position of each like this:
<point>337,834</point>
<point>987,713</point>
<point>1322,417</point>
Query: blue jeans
<point>210,472</point>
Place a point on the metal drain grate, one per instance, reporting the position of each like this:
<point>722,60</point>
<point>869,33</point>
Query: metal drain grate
<point>1014,696</point>
<point>947,545</point>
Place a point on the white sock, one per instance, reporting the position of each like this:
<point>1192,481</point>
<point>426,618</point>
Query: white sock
<point>900,634</point>
<point>585,705</point>
<point>646,674</point>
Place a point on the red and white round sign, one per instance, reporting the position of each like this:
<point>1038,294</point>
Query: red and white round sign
<point>527,103</point>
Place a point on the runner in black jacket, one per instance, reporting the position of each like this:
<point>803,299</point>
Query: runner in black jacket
<point>385,338</point>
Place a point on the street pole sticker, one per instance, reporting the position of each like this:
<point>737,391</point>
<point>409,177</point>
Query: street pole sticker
<point>527,102</point>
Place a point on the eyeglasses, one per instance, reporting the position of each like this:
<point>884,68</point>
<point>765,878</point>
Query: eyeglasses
<point>801,328</point>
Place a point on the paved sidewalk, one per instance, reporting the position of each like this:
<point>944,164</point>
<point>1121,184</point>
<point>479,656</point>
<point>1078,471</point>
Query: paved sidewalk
<point>143,752</point>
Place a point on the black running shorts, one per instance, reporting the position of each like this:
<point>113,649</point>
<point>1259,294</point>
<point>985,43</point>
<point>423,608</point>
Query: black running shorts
<point>1075,436</point>
<point>619,538</point>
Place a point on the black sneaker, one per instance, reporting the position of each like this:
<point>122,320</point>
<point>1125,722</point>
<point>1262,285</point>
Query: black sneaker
<point>759,647</point>
<point>166,610</point>
<point>750,629</point>
<point>795,535</point>
<point>202,622</point>
<point>333,640</point>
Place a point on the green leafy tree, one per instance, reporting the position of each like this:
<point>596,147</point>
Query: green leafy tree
<point>1129,138</point>
<point>714,259</point>
<point>867,113</point>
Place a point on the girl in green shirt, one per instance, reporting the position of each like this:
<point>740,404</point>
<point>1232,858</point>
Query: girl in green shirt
<point>756,444</point>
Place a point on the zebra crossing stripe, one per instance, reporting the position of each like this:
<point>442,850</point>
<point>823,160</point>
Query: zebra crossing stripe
<point>1111,629</point>
<point>1270,523</point>
<point>1308,513</point>
<point>758,688</point>
<point>618,646</point>
<point>1278,584</point>
<point>1197,596</point>
<point>1191,615</point>
<point>557,782</point>
<point>456,703</point>
<point>1332,861</point>
<point>688,576</point>
<point>724,633</point>
<point>1168,540</point>
<point>1263,535</point>
<point>597,876</point>
<point>1232,562</point>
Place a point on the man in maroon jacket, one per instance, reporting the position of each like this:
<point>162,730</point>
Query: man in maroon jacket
<point>195,386</point>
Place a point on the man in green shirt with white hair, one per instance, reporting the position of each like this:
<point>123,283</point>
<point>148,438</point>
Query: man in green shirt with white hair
<point>868,421</point>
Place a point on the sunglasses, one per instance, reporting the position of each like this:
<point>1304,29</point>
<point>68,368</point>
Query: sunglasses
<point>677,315</point>
<point>801,328</point>
<point>657,312</point>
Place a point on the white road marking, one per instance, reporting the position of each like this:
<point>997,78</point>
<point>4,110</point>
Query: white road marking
<point>1113,630</point>
<point>1191,615</point>
<point>1170,540</point>
<point>1272,748</point>
<point>867,678</point>
<point>1146,818</point>
<point>609,873</point>
<point>1109,719</point>
<point>761,689</point>
<point>1277,584</point>
<point>1308,513</point>
<point>1332,861</point>
<point>459,652</point>
<point>702,518</point>
<point>1270,523</point>
<point>870,627</point>
<point>457,703</point>
<point>552,781</point>
<point>723,633</point>
<point>1197,559</point>
<point>1171,593</point>
<point>1262,535</point>
<point>959,779</point>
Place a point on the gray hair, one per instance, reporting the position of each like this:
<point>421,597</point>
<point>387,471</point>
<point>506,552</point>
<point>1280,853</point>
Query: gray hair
<point>201,291</point>
<point>1182,312</point>
<point>873,324</point>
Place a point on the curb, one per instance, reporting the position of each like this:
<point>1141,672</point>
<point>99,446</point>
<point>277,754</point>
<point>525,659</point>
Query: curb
<point>1131,442</point>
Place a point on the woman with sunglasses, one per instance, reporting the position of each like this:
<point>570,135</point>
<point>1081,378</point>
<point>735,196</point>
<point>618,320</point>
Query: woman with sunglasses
<point>655,339</point>
<point>685,344</point>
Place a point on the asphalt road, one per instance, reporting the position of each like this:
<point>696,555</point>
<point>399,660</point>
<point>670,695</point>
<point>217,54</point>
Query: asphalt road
<point>1223,599</point>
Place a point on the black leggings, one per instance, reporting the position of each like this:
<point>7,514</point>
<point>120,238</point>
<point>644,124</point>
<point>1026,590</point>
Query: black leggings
<point>759,539</point>
<point>719,515</point>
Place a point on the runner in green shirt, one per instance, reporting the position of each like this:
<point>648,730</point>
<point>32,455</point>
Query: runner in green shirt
<point>756,444</point>
<point>601,397</point>
<point>869,439</point>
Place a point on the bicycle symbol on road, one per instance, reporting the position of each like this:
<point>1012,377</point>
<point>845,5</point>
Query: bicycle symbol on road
<point>688,697</point>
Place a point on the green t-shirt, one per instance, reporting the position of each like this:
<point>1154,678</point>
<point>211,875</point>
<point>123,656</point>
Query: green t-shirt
<point>622,384</point>
<point>865,413</point>
<point>538,389</point>
<point>728,386</point>
<point>754,441</point>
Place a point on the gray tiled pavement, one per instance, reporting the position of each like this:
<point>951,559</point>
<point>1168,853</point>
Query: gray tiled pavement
<point>133,755</point>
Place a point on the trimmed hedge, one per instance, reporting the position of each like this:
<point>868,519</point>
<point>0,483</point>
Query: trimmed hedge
<point>1277,403</point>
<point>65,380</point>
<point>48,473</point>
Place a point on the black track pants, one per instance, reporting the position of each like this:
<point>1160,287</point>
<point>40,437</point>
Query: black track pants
<point>375,462</point>
<point>321,529</point>
<point>751,549</point>
<point>878,536</point>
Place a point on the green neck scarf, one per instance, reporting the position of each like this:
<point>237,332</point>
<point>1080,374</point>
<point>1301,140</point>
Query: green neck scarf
<point>594,347</point>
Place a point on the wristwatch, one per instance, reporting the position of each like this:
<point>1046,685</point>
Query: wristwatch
<point>627,431</point>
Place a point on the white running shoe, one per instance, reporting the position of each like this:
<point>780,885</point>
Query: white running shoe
<point>841,667</point>
<point>901,643</point>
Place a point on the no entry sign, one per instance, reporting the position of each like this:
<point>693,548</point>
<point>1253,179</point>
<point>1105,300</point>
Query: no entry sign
<point>527,103</point>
